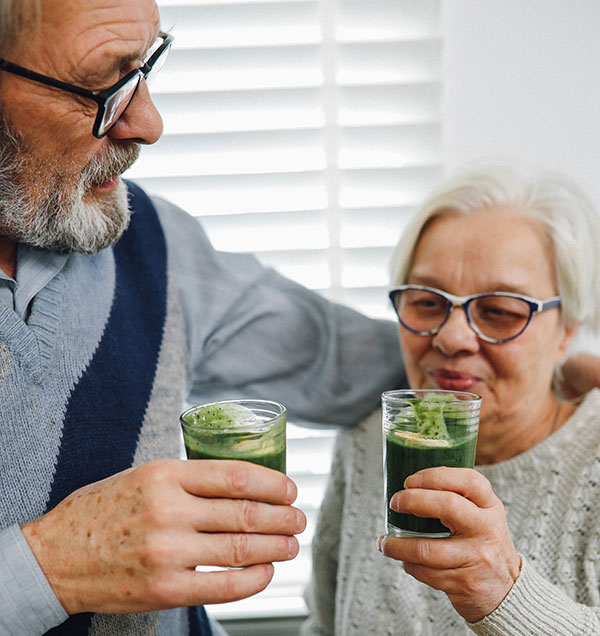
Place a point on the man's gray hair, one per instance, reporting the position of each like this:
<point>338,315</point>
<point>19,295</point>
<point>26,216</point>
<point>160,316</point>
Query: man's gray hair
<point>15,16</point>
<point>570,221</point>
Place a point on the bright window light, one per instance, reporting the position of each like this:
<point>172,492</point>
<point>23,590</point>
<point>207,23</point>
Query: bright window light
<point>304,131</point>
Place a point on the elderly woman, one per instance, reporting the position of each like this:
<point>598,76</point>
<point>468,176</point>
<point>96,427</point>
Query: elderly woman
<point>494,275</point>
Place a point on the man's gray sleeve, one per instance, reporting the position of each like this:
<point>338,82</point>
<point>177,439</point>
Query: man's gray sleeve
<point>28,606</point>
<point>254,333</point>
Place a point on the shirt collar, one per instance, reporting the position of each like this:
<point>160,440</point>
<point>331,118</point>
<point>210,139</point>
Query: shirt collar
<point>35,269</point>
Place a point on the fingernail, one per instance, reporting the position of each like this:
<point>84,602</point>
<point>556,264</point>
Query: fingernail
<point>291,491</point>
<point>300,521</point>
<point>415,481</point>
<point>292,547</point>
<point>395,502</point>
<point>380,544</point>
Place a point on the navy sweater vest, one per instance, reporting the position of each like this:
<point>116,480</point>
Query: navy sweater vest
<point>106,408</point>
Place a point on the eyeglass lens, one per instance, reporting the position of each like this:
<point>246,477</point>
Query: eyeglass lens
<point>117,103</point>
<point>496,317</point>
<point>157,65</point>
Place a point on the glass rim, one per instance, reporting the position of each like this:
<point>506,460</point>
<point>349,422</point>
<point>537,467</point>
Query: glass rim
<point>401,395</point>
<point>281,410</point>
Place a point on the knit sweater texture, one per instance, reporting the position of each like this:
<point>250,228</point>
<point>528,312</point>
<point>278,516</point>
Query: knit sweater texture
<point>95,372</point>
<point>551,496</point>
<point>90,386</point>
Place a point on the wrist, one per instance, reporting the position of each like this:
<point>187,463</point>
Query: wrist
<point>34,535</point>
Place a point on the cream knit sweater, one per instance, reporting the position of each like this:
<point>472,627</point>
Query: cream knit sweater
<point>551,495</point>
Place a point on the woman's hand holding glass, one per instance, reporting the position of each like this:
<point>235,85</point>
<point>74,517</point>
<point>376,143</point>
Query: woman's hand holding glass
<point>478,565</point>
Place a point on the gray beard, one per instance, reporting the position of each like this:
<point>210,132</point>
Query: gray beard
<point>42,207</point>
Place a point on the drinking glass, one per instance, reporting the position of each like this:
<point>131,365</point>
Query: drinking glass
<point>247,429</point>
<point>422,429</point>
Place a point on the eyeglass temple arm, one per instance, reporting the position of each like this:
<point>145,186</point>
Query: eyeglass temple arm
<point>549,304</point>
<point>15,69</point>
<point>167,41</point>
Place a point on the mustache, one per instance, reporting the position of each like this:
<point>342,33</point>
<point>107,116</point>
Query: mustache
<point>113,161</point>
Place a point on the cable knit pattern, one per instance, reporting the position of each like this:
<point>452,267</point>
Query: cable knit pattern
<point>551,496</point>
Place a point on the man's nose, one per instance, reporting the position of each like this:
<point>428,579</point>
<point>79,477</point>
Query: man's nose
<point>456,335</point>
<point>141,122</point>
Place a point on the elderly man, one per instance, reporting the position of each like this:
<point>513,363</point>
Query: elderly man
<point>108,324</point>
<point>114,309</point>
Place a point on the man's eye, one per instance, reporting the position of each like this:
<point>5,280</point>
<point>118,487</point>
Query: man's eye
<point>86,105</point>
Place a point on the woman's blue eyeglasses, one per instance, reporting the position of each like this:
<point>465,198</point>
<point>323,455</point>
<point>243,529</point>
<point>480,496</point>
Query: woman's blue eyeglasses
<point>493,316</point>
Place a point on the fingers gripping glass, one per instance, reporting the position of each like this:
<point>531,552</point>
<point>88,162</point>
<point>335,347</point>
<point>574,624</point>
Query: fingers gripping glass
<point>114,100</point>
<point>494,316</point>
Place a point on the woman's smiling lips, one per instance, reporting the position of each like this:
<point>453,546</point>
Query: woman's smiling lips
<point>453,380</point>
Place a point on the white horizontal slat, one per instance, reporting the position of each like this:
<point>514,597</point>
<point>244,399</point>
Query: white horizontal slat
<point>389,62</point>
<point>240,69</point>
<point>238,25</point>
<point>389,146</point>
<point>389,104</point>
<point>308,267</point>
<point>230,194</point>
<point>233,153</point>
<point>373,226</point>
<point>386,19</point>
<point>372,301</point>
<point>233,194</point>
<point>226,112</point>
<point>366,267</point>
<point>384,187</point>
<point>264,232</point>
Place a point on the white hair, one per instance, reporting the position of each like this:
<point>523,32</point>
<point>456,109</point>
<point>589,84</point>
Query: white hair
<point>15,16</point>
<point>43,200</point>
<point>569,219</point>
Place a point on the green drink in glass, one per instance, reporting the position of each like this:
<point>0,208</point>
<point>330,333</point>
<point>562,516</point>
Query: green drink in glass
<point>423,429</point>
<point>247,429</point>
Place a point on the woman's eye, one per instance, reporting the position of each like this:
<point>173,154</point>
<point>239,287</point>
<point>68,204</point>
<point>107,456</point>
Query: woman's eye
<point>495,311</point>
<point>498,314</point>
<point>429,304</point>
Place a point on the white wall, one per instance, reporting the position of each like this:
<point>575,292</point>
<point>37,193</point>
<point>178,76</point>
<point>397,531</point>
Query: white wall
<point>522,83</point>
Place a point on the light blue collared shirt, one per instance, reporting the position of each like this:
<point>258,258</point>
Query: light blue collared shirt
<point>35,268</point>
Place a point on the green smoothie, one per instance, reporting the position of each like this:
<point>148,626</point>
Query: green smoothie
<point>407,455</point>
<point>248,430</point>
<point>422,430</point>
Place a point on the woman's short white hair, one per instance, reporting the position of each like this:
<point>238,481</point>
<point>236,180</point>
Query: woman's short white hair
<point>570,221</point>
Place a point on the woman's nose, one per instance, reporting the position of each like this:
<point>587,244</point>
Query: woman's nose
<point>456,335</point>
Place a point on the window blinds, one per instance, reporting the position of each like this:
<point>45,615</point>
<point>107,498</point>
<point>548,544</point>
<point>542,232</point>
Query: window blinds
<point>304,131</point>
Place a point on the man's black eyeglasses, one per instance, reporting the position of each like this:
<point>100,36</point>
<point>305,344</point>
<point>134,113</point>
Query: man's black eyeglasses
<point>113,101</point>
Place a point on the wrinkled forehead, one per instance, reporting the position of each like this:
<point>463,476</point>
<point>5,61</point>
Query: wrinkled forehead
<point>503,248</point>
<point>78,29</point>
